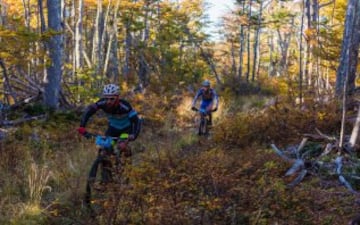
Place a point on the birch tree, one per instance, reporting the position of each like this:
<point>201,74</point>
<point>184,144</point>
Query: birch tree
<point>350,49</point>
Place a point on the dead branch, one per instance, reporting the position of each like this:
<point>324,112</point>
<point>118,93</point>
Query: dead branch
<point>297,165</point>
<point>327,149</point>
<point>7,82</point>
<point>301,146</point>
<point>338,163</point>
<point>25,101</point>
<point>30,81</point>
<point>314,137</point>
<point>23,84</point>
<point>22,120</point>
<point>281,154</point>
<point>24,91</point>
<point>298,179</point>
<point>325,136</point>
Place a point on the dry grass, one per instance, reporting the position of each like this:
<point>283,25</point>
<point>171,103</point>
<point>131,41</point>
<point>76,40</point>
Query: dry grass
<point>176,177</point>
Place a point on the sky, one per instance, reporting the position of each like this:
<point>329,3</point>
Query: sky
<point>217,8</point>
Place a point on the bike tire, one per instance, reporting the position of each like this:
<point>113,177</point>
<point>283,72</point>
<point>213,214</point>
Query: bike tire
<point>97,192</point>
<point>203,126</point>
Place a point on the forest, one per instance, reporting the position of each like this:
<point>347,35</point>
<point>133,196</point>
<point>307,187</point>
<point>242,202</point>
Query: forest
<point>283,147</point>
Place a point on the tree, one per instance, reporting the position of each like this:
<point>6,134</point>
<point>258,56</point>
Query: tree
<point>350,49</point>
<point>53,79</point>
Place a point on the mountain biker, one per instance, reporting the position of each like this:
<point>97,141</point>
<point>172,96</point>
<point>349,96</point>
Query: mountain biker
<point>122,118</point>
<point>209,96</point>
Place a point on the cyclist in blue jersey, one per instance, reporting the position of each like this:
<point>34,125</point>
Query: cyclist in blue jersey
<point>122,118</point>
<point>209,98</point>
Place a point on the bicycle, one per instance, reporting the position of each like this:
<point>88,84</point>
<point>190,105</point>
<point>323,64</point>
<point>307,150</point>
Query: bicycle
<point>115,152</point>
<point>204,121</point>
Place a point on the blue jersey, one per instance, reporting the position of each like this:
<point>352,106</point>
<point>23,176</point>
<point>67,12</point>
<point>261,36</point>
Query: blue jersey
<point>207,97</point>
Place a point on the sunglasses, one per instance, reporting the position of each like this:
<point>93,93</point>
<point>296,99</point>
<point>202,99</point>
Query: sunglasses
<point>110,99</point>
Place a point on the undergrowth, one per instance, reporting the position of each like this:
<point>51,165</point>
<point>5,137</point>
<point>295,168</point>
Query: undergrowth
<point>176,177</point>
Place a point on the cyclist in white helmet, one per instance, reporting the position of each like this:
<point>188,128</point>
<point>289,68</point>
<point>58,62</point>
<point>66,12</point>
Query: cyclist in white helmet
<point>122,118</point>
<point>208,98</point>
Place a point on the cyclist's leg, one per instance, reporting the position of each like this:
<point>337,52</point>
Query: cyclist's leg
<point>210,118</point>
<point>106,172</point>
<point>204,106</point>
<point>94,167</point>
<point>113,132</point>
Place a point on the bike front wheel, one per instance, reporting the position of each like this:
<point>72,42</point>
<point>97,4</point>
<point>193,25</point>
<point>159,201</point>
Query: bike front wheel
<point>203,127</point>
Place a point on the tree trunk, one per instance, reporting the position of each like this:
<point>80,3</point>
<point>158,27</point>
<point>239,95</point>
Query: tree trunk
<point>233,61</point>
<point>105,42</point>
<point>241,49</point>
<point>3,9</point>
<point>27,13</point>
<point>42,18</point>
<point>256,42</point>
<point>307,62</point>
<point>54,71</point>
<point>355,131</point>
<point>241,52</point>
<point>128,43</point>
<point>349,51</point>
<point>78,36</point>
<point>143,65</point>
<point>98,29</point>
<point>272,59</point>
<point>284,43</point>
<point>301,55</point>
<point>248,44</point>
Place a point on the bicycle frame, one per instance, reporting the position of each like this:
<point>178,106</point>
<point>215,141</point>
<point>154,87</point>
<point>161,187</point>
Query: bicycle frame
<point>114,151</point>
<point>117,146</point>
<point>203,124</point>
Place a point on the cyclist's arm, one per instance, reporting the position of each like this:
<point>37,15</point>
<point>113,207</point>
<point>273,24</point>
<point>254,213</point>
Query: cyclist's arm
<point>216,99</point>
<point>198,94</point>
<point>90,110</point>
<point>135,123</point>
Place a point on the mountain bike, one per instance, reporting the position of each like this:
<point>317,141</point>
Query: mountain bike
<point>204,121</point>
<point>115,154</point>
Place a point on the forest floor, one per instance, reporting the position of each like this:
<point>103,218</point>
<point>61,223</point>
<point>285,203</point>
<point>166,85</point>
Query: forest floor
<point>232,176</point>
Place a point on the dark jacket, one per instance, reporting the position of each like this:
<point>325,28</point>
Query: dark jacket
<point>121,116</point>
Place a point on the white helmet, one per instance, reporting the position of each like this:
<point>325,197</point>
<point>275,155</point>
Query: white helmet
<point>206,83</point>
<point>111,89</point>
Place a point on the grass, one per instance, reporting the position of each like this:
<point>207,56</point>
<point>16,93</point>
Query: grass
<point>176,177</point>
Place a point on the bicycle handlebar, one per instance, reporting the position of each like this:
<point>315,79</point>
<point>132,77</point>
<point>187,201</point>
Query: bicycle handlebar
<point>202,110</point>
<point>123,136</point>
<point>107,141</point>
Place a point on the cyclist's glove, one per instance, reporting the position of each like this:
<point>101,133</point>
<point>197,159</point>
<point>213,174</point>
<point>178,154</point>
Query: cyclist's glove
<point>214,110</point>
<point>83,132</point>
<point>194,108</point>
